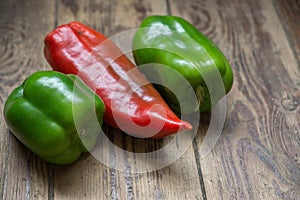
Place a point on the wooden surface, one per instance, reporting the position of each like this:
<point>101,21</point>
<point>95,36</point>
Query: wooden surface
<point>258,153</point>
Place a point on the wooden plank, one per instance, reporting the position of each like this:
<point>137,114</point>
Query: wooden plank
<point>23,25</point>
<point>257,156</point>
<point>89,179</point>
<point>289,15</point>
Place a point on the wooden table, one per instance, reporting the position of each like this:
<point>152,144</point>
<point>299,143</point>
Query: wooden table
<point>258,153</point>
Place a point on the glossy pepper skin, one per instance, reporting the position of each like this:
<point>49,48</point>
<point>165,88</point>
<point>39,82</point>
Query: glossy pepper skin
<point>42,113</point>
<point>132,103</point>
<point>174,42</point>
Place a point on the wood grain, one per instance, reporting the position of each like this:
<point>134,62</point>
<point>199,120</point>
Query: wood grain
<point>289,14</point>
<point>257,154</point>
<point>23,175</point>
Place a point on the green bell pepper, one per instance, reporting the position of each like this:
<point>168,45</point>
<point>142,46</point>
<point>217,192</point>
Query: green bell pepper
<point>172,41</point>
<point>55,115</point>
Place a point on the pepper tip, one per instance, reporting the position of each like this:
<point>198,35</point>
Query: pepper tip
<point>186,126</point>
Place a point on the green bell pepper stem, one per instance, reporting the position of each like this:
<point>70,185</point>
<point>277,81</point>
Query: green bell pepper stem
<point>55,115</point>
<point>173,42</point>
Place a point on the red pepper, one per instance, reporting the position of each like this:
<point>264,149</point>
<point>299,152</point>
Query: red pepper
<point>132,103</point>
